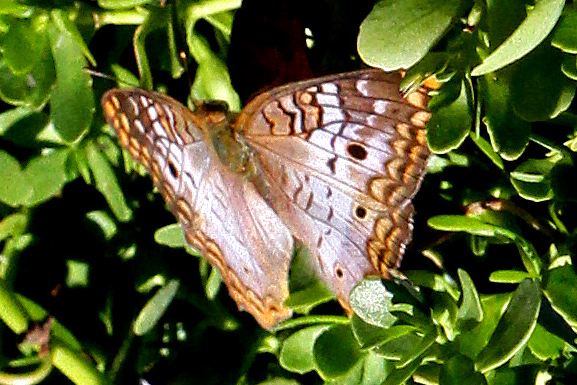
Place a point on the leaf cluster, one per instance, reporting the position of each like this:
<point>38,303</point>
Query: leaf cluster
<point>91,263</point>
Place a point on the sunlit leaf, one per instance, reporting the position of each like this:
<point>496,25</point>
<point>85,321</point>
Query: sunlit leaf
<point>296,353</point>
<point>514,327</point>
<point>534,29</point>
<point>416,26</point>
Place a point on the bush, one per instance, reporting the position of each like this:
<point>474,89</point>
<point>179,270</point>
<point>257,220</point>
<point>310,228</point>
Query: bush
<point>94,281</point>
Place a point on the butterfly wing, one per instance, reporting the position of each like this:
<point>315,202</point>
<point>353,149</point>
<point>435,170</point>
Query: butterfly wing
<point>343,156</point>
<point>221,213</point>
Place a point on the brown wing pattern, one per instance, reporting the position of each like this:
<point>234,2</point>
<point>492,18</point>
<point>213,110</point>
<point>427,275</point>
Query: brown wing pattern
<point>221,213</point>
<point>343,156</point>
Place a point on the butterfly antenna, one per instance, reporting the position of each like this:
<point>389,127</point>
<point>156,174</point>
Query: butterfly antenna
<point>114,79</point>
<point>99,74</point>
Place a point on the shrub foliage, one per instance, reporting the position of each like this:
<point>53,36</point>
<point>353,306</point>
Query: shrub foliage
<point>95,283</point>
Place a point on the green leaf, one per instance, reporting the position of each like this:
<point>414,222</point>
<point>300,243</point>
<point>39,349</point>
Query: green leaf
<point>306,289</point>
<point>525,374</point>
<point>212,80</point>
<point>472,341</point>
<point>12,312</point>
<point>463,223</point>
<point>531,179</point>
<point>444,314</point>
<point>21,45</point>
<point>509,134</point>
<point>296,354</point>
<point>459,370</point>
<point>77,275</point>
<point>449,126</point>
<point>155,308</point>
<point>508,276</point>
<point>470,309</point>
<point>514,327</point>
<point>72,101</point>
<point>369,370</point>
<point>475,226</point>
<point>78,367</point>
<point>372,303</point>
<point>564,34</point>
<point>305,299</point>
<point>107,183</point>
<point>64,24</point>
<point>156,20</point>
<point>419,349</point>
<point>79,164</point>
<point>13,225</point>
<point>279,381</point>
<point>121,4</point>
<point>503,18</point>
<point>370,336</point>
<point>218,13</point>
<point>9,117</point>
<point>104,222</point>
<point>545,345</point>
<point>560,292</point>
<point>423,278</point>
<point>32,88</point>
<point>488,150</point>
<point>563,171</point>
<point>47,175</point>
<point>569,67</point>
<point>15,189</point>
<point>222,21</point>
<point>212,284</point>
<point>26,131</point>
<point>374,369</point>
<point>12,7</point>
<point>397,347</point>
<point>400,376</point>
<point>170,236</point>
<point>398,33</point>
<point>532,31</point>
<point>539,89</point>
<point>336,352</point>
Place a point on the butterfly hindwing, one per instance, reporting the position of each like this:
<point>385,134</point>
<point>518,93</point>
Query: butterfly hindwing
<point>343,155</point>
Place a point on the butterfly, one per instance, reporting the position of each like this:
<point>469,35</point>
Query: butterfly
<point>332,163</point>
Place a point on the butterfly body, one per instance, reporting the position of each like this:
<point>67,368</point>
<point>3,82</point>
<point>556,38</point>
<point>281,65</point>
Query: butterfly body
<point>332,162</point>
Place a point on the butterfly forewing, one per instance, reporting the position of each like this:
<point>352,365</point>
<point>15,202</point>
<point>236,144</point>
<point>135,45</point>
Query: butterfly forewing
<point>221,213</point>
<point>344,155</point>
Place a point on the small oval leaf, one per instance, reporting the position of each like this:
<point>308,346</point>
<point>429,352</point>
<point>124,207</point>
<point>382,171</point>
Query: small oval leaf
<point>416,25</point>
<point>296,354</point>
<point>336,351</point>
<point>514,327</point>
<point>155,308</point>
<point>449,126</point>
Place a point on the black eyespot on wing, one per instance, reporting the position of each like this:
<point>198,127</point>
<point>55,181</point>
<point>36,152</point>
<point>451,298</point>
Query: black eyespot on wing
<point>357,151</point>
<point>360,212</point>
<point>339,272</point>
<point>173,170</point>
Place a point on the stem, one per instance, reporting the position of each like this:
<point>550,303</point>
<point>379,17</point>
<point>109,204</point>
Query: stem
<point>11,311</point>
<point>33,377</point>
